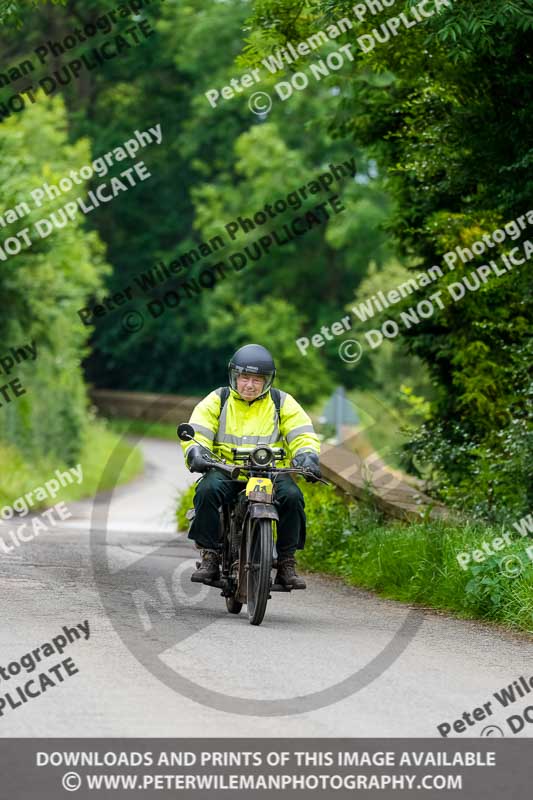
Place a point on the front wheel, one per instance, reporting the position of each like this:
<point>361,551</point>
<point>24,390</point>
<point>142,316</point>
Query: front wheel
<point>259,569</point>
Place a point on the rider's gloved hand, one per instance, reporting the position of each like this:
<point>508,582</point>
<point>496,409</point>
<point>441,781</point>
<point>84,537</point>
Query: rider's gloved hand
<point>198,460</point>
<point>309,462</point>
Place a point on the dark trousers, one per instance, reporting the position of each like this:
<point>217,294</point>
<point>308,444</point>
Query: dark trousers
<point>215,488</point>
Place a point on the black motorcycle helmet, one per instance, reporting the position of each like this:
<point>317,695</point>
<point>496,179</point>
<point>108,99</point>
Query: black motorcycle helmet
<point>255,360</point>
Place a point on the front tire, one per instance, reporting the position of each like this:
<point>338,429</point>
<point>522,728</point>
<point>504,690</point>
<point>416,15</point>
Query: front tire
<point>260,567</point>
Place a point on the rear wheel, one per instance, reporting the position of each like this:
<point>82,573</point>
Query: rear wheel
<point>233,605</point>
<point>260,566</point>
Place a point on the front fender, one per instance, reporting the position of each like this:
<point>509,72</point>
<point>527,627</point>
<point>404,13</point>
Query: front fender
<point>263,511</point>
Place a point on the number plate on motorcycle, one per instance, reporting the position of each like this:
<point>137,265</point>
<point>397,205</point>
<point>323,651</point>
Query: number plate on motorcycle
<point>263,485</point>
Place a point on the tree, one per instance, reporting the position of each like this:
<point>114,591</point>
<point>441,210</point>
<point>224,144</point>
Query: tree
<point>44,285</point>
<point>11,11</point>
<point>275,324</point>
<point>445,108</point>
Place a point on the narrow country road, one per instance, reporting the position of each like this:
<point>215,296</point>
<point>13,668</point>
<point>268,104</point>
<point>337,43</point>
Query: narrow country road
<point>144,672</point>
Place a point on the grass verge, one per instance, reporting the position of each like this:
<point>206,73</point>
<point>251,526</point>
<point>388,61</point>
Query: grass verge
<point>18,476</point>
<point>184,503</point>
<point>414,563</point>
<point>417,562</point>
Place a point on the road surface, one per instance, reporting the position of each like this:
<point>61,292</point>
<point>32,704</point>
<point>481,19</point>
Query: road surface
<point>309,642</point>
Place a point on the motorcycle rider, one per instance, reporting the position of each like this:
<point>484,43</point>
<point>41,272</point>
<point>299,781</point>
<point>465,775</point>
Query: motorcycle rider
<point>249,417</point>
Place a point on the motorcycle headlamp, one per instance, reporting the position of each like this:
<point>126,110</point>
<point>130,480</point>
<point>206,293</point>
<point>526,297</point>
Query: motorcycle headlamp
<point>262,456</point>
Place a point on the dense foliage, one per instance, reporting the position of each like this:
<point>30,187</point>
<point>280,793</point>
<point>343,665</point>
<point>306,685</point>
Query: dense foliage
<point>438,120</point>
<point>41,289</point>
<point>449,122</point>
<point>214,165</point>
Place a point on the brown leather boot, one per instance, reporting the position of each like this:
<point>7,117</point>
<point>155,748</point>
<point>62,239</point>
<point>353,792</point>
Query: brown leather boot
<point>287,576</point>
<point>209,567</point>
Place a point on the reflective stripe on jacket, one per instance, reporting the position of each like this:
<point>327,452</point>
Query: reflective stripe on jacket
<point>246,425</point>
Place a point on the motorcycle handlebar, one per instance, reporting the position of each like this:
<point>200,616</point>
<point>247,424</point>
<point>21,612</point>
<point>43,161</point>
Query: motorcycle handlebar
<point>234,472</point>
<point>304,472</point>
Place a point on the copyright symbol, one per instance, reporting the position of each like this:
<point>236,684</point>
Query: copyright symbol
<point>492,730</point>
<point>511,566</point>
<point>350,351</point>
<point>132,321</point>
<point>260,103</point>
<point>71,781</point>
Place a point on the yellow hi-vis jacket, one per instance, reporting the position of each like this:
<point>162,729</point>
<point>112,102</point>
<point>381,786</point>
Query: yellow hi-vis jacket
<point>245,425</point>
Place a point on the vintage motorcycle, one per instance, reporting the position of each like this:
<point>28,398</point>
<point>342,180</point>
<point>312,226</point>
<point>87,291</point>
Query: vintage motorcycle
<point>247,527</point>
